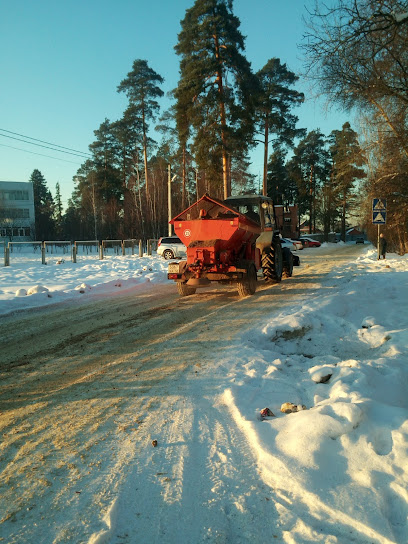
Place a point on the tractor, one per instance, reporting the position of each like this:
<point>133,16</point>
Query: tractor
<point>230,242</point>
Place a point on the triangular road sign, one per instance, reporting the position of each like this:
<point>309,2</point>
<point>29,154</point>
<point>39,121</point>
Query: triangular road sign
<point>378,217</point>
<point>379,205</point>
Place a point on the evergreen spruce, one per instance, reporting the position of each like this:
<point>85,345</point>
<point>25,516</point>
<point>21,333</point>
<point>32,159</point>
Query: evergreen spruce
<point>43,207</point>
<point>309,168</point>
<point>58,211</point>
<point>280,187</point>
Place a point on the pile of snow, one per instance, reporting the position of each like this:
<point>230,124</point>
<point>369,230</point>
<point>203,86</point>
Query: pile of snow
<point>343,355</point>
<point>26,283</point>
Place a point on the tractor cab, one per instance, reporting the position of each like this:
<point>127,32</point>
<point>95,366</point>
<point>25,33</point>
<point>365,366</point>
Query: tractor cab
<point>258,208</point>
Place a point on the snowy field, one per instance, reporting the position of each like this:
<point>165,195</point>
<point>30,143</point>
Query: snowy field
<point>337,461</point>
<point>26,283</point>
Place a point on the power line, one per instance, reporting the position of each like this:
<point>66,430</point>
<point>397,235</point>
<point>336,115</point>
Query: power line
<point>46,146</point>
<point>43,142</point>
<point>40,154</point>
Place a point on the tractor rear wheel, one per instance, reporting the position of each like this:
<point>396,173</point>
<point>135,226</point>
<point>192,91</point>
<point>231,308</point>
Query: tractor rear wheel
<point>247,286</point>
<point>272,263</point>
<point>287,262</point>
<point>185,290</point>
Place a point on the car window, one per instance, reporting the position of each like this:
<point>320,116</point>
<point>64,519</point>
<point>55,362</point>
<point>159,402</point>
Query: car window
<point>171,241</point>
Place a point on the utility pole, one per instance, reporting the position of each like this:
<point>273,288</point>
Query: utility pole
<point>170,213</point>
<point>265,171</point>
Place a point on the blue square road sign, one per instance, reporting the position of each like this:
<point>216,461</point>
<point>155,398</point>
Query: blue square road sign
<point>379,218</point>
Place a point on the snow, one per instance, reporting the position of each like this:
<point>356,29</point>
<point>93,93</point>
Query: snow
<point>341,463</point>
<point>29,284</point>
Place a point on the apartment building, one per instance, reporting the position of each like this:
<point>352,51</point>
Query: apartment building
<point>17,220</point>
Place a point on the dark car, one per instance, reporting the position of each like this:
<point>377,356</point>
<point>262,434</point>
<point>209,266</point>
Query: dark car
<point>360,240</point>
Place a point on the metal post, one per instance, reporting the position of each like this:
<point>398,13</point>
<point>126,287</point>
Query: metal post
<point>123,248</point>
<point>378,242</point>
<point>169,199</point>
<point>74,253</point>
<point>43,253</point>
<point>101,252</point>
<point>149,247</point>
<point>6,256</point>
<point>140,248</point>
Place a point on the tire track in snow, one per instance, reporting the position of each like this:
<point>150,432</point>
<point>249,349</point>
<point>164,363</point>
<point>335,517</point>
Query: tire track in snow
<point>193,491</point>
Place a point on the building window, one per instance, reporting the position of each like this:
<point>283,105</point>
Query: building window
<point>14,213</point>
<point>14,195</point>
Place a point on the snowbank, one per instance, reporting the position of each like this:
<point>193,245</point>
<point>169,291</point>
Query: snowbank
<point>343,354</point>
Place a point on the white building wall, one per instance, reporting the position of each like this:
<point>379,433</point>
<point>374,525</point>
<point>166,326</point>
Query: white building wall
<point>17,219</point>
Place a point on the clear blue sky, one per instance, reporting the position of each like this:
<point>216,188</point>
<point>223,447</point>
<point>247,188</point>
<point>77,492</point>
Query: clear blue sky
<point>61,63</point>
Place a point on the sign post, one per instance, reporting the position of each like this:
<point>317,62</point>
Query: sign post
<point>379,218</point>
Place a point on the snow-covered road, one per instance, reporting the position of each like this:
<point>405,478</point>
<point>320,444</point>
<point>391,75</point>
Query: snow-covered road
<point>86,387</point>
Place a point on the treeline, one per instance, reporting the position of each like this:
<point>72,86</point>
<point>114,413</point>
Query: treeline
<point>321,176</point>
<point>221,109</point>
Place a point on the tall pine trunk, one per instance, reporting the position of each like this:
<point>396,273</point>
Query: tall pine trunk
<point>343,217</point>
<point>265,172</point>
<point>311,199</point>
<point>183,196</point>
<point>145,150</point>
<point>225,178</point>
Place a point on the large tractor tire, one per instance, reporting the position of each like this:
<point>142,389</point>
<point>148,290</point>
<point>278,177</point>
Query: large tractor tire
<point>247,286</point>
<point>287,262</point>
<point>272,263</point>
<point>185,290</point>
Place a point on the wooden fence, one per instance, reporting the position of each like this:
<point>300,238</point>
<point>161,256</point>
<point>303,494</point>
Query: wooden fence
<point>76,249</point>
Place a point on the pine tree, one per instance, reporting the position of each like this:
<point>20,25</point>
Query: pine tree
<point>43,207</point>
<point>216,87</point>
<point>276,100</point>
<point>105,150</point>
<point>89,200</point>
<point>242,182</point>
<point>348,160</point>
<point>309,168</point>
<point>280,187</point>
<point>181,114</point>
<point>73,220</point>
<point>58,211</point>
<point>141,88</point>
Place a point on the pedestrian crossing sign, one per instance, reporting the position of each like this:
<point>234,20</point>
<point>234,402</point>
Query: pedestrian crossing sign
<point>379,204</point>
<point>379,218</point>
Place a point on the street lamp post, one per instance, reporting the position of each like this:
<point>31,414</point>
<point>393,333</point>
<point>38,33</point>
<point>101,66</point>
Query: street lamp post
<point>170,214</point>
